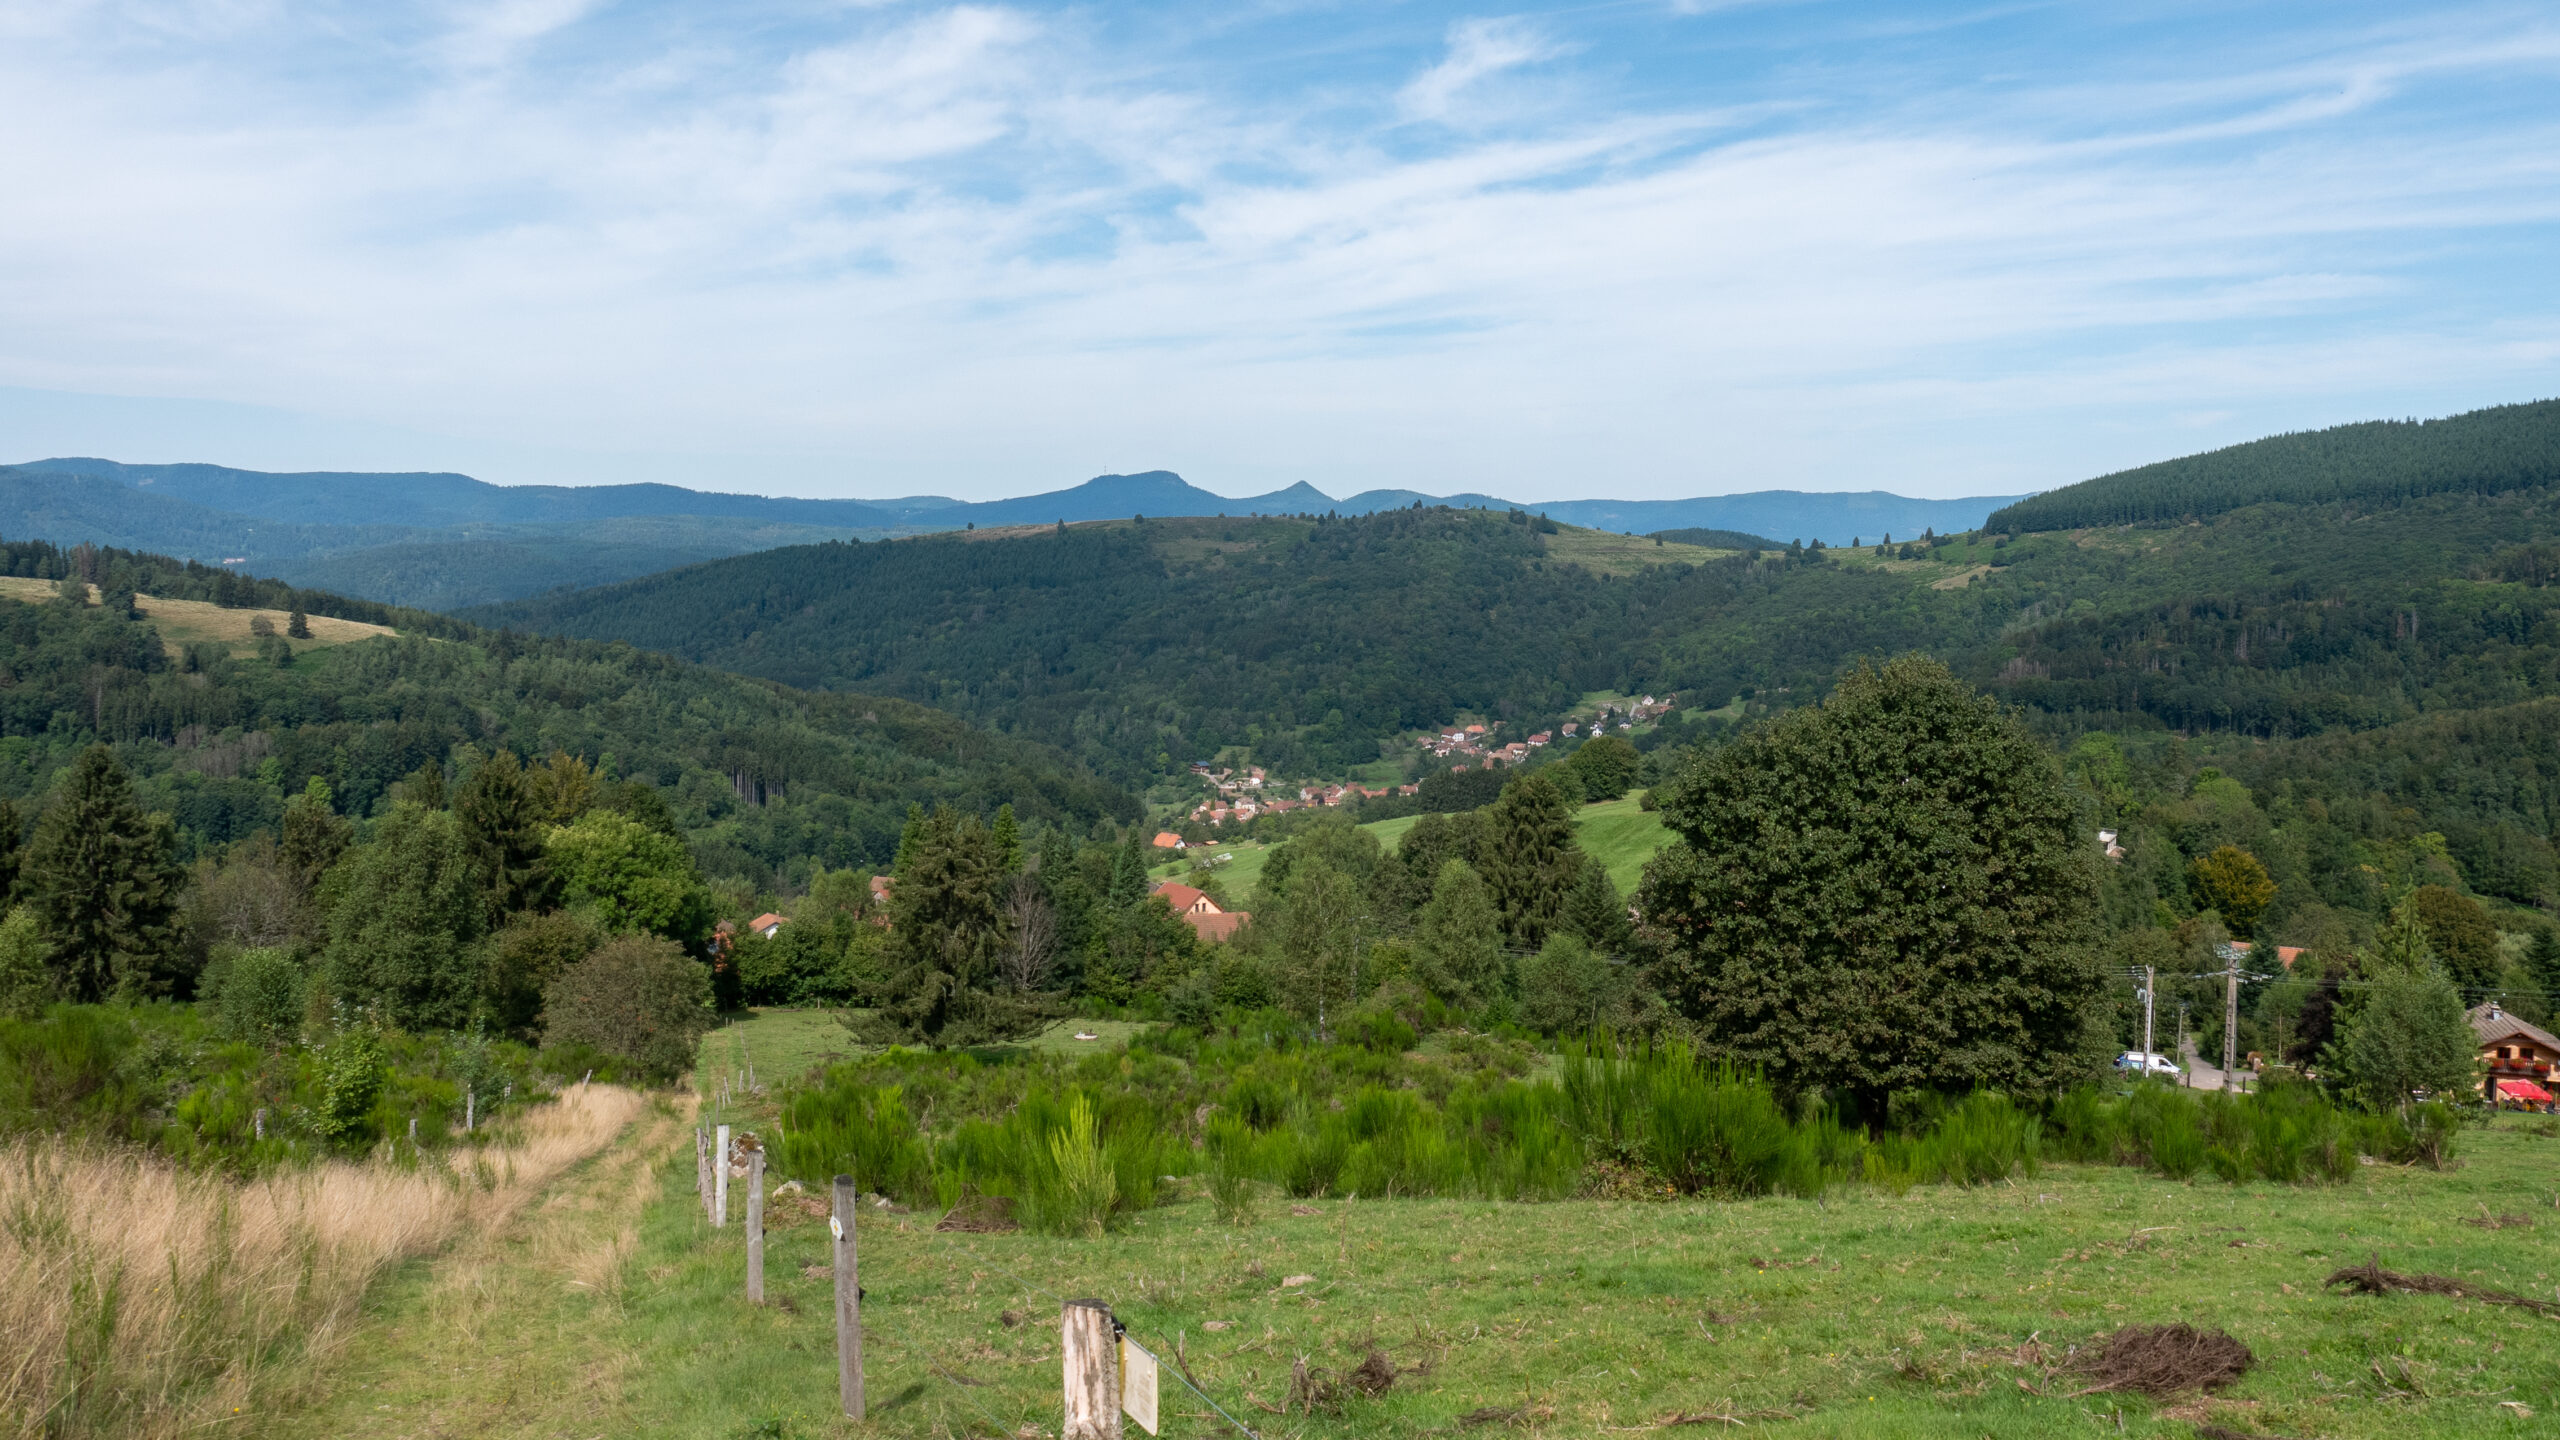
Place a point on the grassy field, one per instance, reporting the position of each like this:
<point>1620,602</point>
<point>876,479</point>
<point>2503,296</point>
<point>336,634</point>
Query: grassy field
<point>1621,835</point>
<point>182,621</point>
<point>783,1046</point>
<point>1616,833</point>
<point>1937,1313</point>
<point>1605,552</point>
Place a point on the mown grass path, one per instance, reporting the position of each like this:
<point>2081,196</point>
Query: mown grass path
<point>1938,1313</point>
<point>513,1332</point>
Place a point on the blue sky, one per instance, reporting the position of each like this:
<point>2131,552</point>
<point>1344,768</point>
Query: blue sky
<point>1636,250</point>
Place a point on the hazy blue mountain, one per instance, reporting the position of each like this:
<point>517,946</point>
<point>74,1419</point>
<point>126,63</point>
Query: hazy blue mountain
<point>444,541</point>
<point>1833,518</point>
<point>327,497</point>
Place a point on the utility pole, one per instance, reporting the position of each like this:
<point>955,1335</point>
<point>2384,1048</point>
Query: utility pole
<point>2150,984</point>
<point>2231,1024</point>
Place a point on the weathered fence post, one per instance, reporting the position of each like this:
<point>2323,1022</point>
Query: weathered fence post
<point>755,1226</point>
<point>1092,1371</point>
<point>702,1169</point>
<point>848,1302</point>
<point>720,1180</point>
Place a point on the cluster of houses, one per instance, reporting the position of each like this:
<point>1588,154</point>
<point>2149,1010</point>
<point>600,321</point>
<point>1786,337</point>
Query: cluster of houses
<point>1239,796</point>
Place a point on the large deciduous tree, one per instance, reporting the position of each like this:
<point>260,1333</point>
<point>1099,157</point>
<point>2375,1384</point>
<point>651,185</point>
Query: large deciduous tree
<point>627,877</point>
<point>2235,884</point>
<point>405,913</point>
<point>1886,892</point>
<point>105,889</point>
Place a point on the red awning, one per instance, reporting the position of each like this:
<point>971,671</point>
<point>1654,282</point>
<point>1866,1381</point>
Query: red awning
<point>2524,1090</point>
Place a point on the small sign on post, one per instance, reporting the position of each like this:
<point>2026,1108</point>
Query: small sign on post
<point>848,1301</point>
<point>1138,1384</point>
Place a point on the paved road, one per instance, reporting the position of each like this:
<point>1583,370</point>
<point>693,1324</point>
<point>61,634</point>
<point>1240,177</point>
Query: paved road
<point>2201,1076</point>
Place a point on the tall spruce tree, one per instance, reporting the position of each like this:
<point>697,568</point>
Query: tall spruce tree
<point>1129,869</point>
<point>948,925</point>
<point>1457,939</point>
<point>1597,913</point>
<point>503,824</point>
<point>1528,858</point>
<point>1889,891</point>
<point>12,851</point>
<point>104,884</point>
<point>1008,837</point>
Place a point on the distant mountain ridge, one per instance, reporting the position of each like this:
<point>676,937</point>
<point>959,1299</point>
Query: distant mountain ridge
<point>438,540</point>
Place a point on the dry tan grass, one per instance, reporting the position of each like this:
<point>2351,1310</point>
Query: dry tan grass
<point>138,1300</point>
<point>181,621</point>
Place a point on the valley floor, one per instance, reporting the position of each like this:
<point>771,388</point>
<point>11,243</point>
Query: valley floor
<point>614,1309</point>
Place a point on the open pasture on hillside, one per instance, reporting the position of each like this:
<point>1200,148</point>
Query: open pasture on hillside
<point>1941,1311</point>
<point>181,622</point>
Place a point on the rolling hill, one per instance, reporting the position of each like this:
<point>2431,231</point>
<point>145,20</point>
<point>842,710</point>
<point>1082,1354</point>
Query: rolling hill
<point>1144,645</point>
<point>222,724</point>
<point>444,541</point>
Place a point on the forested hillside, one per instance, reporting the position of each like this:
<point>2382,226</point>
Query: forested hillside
<point>1144,646</point>
<point>2485,452</point>
<point>221,735</point>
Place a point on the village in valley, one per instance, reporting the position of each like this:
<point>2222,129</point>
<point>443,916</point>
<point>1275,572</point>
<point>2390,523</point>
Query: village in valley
<point>1239,793</point>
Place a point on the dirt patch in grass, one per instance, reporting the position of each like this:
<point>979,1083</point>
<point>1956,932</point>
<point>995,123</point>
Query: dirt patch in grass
<point>2164,1360</point>
<point>981,1215</point>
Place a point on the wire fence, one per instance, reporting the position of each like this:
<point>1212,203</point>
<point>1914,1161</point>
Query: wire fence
<point>966,1262</point>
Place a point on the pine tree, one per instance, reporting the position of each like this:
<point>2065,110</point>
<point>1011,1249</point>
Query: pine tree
<point>2544,961</point>
<point>105,888</point>
<point>1528,858</point>
<point>1008,837</point>
<point>12,851</point>
<point>1597,913</point>
<point>297,625</point>
<point>502,822</point>
<point>1457,940</point>
<point>948,923</point>
<point>1129,870</point>
<point>314,836</point>
<point>908,835</point>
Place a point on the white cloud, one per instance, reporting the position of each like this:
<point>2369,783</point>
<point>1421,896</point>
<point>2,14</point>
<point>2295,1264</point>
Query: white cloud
<point>1477,49</point>
<point>976,247</point>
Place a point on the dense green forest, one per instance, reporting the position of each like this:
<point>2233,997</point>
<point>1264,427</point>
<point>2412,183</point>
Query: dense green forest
<point>1141,646</point>
<point>760,778</point>
<point>2484,452</point>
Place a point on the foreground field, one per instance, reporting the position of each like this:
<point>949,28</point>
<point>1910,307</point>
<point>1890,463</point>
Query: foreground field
<point>1937,1313</point>
<point>1940,1312</point>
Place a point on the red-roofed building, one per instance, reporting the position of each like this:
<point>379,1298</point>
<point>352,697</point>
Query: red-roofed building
<point>1167,840</point>
<point>768,924</point>
<point>2517,1055</point>
<point>1200,912</point>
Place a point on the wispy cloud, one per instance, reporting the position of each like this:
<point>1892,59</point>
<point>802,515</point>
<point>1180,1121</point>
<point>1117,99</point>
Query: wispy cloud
<point>1477,49</point>
<point>989,246</point>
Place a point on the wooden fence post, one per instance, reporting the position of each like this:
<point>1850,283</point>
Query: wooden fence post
<point>848,1301</point>
<point>1092,1371</point>
<point>702,1169</point>
<point>720,1180</point>
<point>755,1226</point>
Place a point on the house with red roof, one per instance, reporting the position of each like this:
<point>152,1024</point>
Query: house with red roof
<point>1202,914</point>
<point>768,925</point>
<point>2517,1055</point>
